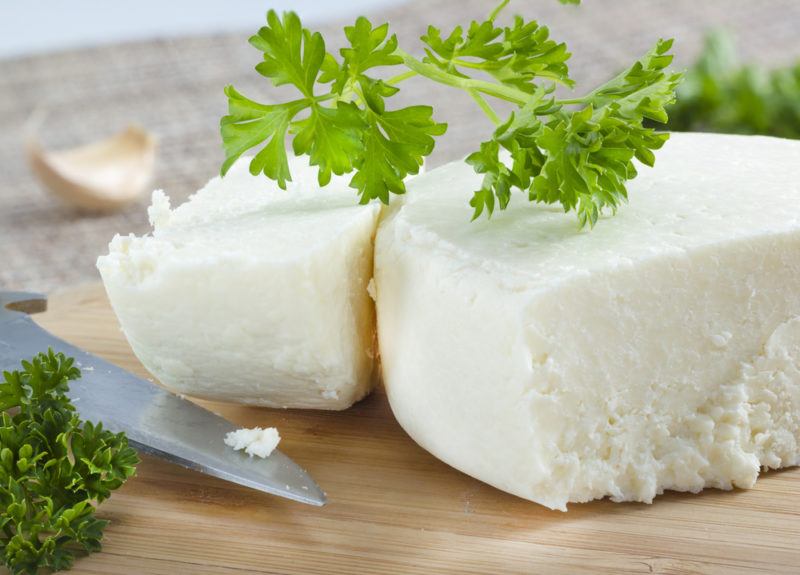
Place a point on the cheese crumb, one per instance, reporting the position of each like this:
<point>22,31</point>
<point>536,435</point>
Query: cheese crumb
<point>255,441</point>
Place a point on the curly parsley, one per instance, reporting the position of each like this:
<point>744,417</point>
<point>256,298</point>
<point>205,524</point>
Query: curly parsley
<point>54,468</point>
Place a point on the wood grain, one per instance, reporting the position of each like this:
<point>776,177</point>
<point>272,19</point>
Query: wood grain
<point>393,508</point>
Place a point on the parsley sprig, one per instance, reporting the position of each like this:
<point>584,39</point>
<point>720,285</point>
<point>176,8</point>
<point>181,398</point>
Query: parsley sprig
<point>54,468</point>
<point>578,152</point>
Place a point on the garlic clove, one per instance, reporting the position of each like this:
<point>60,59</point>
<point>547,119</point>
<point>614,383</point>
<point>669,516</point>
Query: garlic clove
<point>103,176</point>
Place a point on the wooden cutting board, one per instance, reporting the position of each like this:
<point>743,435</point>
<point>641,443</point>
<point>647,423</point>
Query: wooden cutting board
<point>393,508</point>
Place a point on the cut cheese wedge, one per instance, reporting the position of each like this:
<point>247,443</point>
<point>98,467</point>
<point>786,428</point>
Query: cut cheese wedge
<point>252,294</point>
<point>659,351</point>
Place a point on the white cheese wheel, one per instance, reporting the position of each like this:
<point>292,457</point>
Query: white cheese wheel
<point>248,293</point>
<point>659,351</point>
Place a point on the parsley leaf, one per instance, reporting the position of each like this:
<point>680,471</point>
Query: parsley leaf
<point>369,47</point>
<point>292,54</point>
<point>578,152</point>
<point>515,55</point>
<point>330,136</point>
<point>54,468</point>
<point>248,124</point>
<point>346,127</point>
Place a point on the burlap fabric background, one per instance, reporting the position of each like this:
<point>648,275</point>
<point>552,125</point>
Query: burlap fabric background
<point>174,88</point>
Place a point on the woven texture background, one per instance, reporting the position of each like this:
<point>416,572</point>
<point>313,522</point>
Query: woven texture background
<point>174,89</point>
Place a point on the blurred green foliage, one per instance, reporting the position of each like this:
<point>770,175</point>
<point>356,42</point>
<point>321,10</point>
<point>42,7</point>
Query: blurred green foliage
<point>718,94</point>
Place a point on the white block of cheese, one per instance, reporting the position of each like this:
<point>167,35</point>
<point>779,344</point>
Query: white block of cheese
<point>248,293</point>
<point>659,351</point>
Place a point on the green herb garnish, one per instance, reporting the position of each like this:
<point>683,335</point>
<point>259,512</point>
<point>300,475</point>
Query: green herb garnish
<point>54,468</point>
<point>722,95</point>
<point>577,151</point>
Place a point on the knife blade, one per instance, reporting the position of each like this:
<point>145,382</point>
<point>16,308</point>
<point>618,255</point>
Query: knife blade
<point>156,421</point>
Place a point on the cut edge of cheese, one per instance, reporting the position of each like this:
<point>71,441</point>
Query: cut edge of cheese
<point>251,294</point>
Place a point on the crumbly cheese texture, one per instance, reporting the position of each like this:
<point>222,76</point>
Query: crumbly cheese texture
<point>252,294</point>
<point>257,441</point>
<point>659,351</point>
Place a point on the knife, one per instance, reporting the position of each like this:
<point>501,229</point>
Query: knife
<point>155,421</point>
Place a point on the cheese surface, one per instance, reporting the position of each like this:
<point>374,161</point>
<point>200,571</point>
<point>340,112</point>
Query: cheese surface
<point>659,351</point>
<point>252,294</point>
